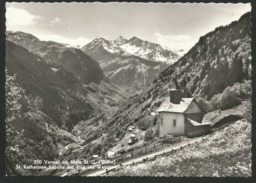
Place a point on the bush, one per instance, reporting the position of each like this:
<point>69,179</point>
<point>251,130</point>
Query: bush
<point>96,149</point>
<point>228,100</point>
<point>231,96</point>
<point>145,123</point>
<point>149,135</point>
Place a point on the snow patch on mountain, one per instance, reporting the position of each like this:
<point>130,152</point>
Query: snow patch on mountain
<point>112,48</point>
<point>119,41</point>
<point>131,49</point>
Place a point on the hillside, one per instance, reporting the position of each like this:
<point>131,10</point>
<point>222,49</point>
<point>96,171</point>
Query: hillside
<point>219,78</point>
<point>131,64</point>
<point>132,73</point>
<point>50,101</point>
<point>219,59</point>
<point>227,153</point>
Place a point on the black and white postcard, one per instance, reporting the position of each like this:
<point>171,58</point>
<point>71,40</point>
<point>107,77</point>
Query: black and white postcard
<point>128,89</point>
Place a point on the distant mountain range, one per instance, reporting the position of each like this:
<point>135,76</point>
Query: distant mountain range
<point>133,46</point>
<point>132,64</point>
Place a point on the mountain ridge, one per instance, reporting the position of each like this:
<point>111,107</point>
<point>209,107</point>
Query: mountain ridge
<point>53,52</point>
<point>131,71</point>
<point>138,47</point>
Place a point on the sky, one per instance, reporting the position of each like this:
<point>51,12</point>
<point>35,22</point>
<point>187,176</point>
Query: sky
<point>174,25</point>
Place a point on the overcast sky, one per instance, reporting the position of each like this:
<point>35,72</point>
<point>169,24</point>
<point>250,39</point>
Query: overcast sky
<point>175,25</point>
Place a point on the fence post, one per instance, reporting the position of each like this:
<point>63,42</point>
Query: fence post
<point>133,163</point>
<point>107,171</point>
<point>121,165</point>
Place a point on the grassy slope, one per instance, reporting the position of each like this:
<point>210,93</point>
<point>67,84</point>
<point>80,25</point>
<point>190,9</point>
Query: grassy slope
<point>226,153</point>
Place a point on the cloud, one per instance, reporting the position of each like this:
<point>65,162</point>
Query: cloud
<point>20,17</point>
<point>172,37</point>
<point>55,20</point>
<point>175,42</point>
<point>76,42</point>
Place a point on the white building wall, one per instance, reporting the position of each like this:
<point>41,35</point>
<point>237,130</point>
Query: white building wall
<point>167,128</point>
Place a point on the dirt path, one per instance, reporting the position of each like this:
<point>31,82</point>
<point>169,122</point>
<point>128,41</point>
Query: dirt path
<point>152,155</point>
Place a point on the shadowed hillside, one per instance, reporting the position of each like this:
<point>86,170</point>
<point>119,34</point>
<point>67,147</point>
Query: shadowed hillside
<point>44,103</point>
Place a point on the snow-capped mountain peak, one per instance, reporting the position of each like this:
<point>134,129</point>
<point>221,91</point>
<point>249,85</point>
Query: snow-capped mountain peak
<point>101,43</point>
<point>119,41</point>
<point>150,51</point>
<point>135,46</point>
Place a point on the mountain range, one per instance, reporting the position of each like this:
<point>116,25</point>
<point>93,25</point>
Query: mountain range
<point>132,64</point>
<point>133,46</point>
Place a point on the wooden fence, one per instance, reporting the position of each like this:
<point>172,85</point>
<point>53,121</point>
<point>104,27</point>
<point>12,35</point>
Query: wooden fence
<point>165,153</point>
<point>142,150</point>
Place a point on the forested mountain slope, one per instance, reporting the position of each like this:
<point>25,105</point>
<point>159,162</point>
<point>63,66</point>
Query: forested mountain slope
<point>44,103</point>
<point>217,71</point>
<point>220,59</point>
